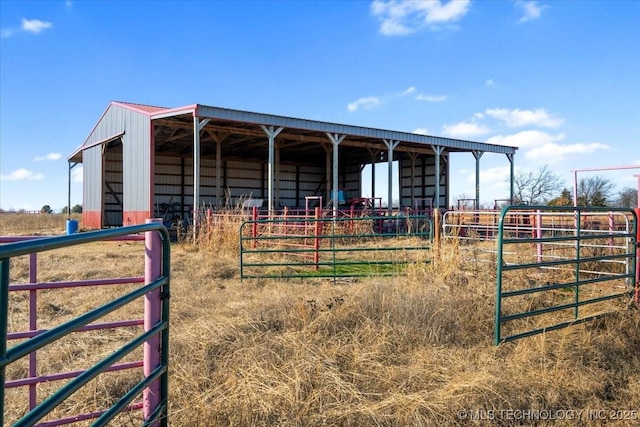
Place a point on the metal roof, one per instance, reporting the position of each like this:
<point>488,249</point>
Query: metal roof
<point>244,137</point>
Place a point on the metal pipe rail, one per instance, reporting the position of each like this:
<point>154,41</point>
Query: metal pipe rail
<point>155,339</point>
<point>586,287</point>
<point>335,249</point>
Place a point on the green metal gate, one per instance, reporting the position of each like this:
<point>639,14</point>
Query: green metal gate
<point>570,266</point>
<point>154,339</point>
<point>332,247</point>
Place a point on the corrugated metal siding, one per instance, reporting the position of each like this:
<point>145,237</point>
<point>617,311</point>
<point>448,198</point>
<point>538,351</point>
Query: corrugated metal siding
<point>351,180</point>
<point>239,181</point>
<point>423,185</point>
<point>92,179</point>
<point>136,159</point>
<point>136,155</point>
<point>112,201</point>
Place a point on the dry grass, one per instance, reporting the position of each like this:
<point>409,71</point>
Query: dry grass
<point>410,351</point>
<point>21,224</point>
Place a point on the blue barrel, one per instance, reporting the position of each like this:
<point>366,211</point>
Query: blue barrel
<point>72,226</point>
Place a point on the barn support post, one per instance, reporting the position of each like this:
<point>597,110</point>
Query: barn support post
<point>391,145</point>
<point>374,156</point>
<point>511,176</point>
<point>198,125</point>
<point>271,132</point>
<point>413,157</point>
<point>477,154</point>
<point>218,138</point>
<point>335,142</point>
<point>219,172</point>
<point>438,152</point>
<point>71,166</point>
<point>327,173</point>
<point>276,173</point>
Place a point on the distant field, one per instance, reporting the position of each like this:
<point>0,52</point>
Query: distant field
<point>415,350</point>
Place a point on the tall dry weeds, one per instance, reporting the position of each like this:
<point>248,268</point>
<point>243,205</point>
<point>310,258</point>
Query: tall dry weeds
<point>414,350</point>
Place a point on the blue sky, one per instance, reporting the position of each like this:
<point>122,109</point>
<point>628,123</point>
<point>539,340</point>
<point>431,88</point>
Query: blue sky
<point>560,79</point>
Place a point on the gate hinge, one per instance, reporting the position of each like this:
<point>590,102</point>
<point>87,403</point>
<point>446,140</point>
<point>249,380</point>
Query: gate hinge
<point>164,295</point>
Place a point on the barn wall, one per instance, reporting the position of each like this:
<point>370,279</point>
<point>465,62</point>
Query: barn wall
<point>423,180</point>
<point>113,192</point>
<point>351,181</point>
<point>240,180</point>
<point>92,187</point>
<point>135,166</point>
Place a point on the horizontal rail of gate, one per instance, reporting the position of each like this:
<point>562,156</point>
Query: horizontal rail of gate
<point>551,277</point>
<point>332,247</point>
<point>473,229</point>
<point>154,340</point>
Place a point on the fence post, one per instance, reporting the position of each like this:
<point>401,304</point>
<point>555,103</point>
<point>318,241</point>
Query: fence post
<point>152,316</point>
<point>285,211</point>
<point>437,229</point>
<point>33,325</point>
<point>638,250</point>
<point>254,227</point>
<point>538,233</point>
<point>316,242</point>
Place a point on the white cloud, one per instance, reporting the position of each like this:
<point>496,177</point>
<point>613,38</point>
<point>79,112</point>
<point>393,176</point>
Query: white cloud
<point>519,118</point>
<point>50,156</point>
<point>421,131</point>
<point>76,174</point>
<point>494,183</point>
<point>35,25</point>
<point>431,98</point>
<point>489,83</point>
<point>409,91</point>
<point>527,138</point>
<point>402,17</point>
<point>531,10</point>
<point>464,130</point>
<point>553,153</point>
<point>22,174</point>
<point>365,103</point>
<point>6,32</point>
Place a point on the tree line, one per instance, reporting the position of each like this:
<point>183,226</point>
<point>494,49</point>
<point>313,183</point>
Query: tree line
<point>544,187</point>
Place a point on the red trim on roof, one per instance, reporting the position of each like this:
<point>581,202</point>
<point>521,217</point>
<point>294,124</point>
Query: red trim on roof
<point>169,112</point>
<point>141,108</point>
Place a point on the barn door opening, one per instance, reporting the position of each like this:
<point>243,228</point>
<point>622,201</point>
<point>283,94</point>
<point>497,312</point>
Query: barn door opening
<point>112,184</point>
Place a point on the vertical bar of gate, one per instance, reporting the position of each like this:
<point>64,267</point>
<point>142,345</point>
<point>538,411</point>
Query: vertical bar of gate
<point>499,262</point>
<point>577,289</point>
<point>611,230</point>
<point>538,234</point>
<point>152,316</point>
<point>33,325</point>
<point>4,320</point>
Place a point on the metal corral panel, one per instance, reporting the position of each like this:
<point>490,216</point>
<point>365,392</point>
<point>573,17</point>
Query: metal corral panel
<point>92,181</point>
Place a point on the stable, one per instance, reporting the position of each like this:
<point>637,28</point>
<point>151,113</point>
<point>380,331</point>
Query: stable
<point>139,161</point>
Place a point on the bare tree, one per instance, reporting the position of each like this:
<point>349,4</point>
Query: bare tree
<point>627,198</point>
<point>595,191</point>
<point>535,187</point>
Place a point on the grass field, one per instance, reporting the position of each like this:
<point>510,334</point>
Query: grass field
<point>415,350</point>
